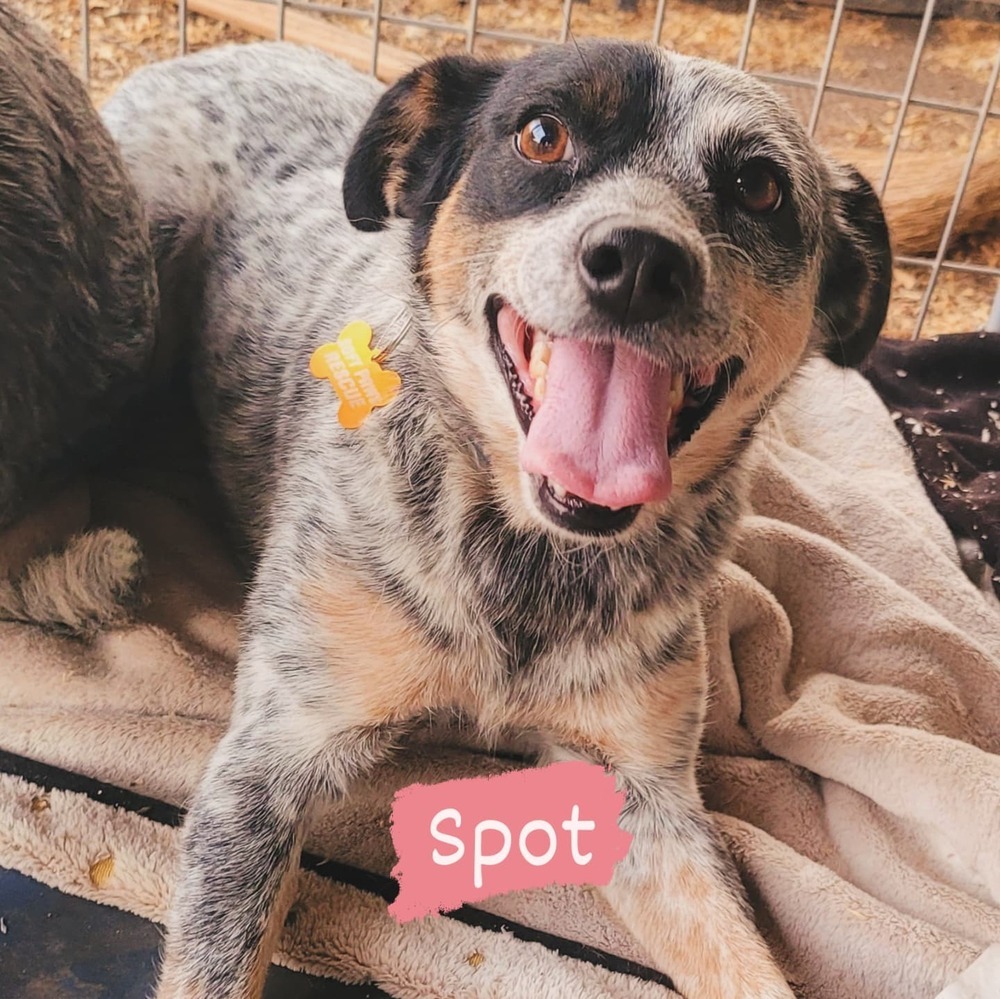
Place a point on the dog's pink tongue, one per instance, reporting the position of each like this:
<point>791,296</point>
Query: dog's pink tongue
<point>601,430</point>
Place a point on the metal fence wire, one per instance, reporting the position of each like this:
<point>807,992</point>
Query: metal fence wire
<point>896,103</point>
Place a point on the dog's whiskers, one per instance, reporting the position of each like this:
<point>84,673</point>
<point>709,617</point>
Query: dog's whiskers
<point>718,241</point>
<point>428,271</point>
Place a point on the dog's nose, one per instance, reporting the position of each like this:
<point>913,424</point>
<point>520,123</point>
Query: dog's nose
<point>637,276</point>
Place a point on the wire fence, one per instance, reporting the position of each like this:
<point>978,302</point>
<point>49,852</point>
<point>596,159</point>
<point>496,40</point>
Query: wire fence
<point>818,89</point>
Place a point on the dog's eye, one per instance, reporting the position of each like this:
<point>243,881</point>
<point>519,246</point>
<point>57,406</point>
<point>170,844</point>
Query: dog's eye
<point>757,188</point>
<point>544,139</point>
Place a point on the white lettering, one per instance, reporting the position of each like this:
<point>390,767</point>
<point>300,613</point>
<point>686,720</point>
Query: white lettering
<point>574,826</point>
<point>453,858</point>
<point>479,859</point>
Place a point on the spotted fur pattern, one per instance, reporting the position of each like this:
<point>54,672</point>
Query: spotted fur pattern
<point>407,566</point>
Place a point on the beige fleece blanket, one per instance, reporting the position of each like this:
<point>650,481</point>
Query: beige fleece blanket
<point>852,752</point>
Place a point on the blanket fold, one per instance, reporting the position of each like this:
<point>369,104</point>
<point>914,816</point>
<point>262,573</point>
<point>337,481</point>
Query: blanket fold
<point>852,752</point>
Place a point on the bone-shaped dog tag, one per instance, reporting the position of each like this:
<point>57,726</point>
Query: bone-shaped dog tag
<point>357,378</point>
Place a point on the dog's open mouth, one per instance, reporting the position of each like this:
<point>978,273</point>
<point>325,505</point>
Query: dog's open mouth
<point>602,420</point>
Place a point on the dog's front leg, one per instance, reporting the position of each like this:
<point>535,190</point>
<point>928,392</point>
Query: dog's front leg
<point>239,851</point>
<point>243,834</point>
<point>678,893</point>
<point>677,890</point>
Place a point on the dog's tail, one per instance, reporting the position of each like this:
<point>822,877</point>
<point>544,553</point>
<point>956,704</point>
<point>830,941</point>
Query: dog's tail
<point>90,584</point>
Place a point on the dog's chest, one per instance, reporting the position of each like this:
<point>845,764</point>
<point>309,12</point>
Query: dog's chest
<point>512,615</point>
<point>510,673</point>
<point>497,636</point>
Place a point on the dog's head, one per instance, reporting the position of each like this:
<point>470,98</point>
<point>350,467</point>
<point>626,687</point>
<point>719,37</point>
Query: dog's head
<point>628,252</point>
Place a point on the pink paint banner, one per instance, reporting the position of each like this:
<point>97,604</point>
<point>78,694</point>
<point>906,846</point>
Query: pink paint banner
<point>464,840</point>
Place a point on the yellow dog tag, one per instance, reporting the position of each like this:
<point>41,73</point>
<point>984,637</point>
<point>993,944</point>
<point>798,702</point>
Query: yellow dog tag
<point>351,368</point>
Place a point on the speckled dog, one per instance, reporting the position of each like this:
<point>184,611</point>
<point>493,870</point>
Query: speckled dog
<point>607,261</point>
<point>77,304</point>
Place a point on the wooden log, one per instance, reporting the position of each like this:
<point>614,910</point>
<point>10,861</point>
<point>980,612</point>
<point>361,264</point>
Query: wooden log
<point>308,29</point>
<point>920,191</point>
<point>969,10</point>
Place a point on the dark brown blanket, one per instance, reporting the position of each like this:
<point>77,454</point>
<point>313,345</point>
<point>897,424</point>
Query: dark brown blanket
<point>944,394</point>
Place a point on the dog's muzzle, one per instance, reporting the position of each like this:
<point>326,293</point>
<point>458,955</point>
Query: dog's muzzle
<point>601,419</point>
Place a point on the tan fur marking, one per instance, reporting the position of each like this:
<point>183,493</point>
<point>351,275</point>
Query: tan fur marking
<point>382,665</point>
<point>414,112</point>
<point>455,240</point>
<point>780,328</point>
<point>275,926</point>
<point>417,107</point>
<point>778,334</point>
<point>646,726</point>
<point>175,983</point>
<point>455,243</point>
<point>395,176</point>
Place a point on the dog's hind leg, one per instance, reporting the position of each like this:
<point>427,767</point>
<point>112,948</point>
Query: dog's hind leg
<point>677,890</point>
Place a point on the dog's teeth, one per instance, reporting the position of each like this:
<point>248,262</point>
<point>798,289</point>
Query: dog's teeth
<point>557,490</point>
<point>537,368</point>
<point>676,395</point>
<point>541,352</point>
<point>539,392</point>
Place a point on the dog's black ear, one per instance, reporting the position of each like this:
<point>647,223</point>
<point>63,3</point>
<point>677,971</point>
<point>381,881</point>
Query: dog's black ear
<point>857,273</point>
<point>413,147</point>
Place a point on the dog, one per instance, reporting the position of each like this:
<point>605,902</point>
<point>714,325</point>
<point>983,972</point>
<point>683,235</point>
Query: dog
<point>592,269</point>
<point>77,310</point>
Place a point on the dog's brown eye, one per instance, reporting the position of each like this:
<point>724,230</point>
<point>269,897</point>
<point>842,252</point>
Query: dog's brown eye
<point>757,188</point>
<point>544,139</point>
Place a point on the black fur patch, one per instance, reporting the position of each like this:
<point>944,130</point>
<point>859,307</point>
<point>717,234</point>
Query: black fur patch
<point>776,239</point>
<point>857,277</point>
<point>604,96</point>
<point>419,128</point>
<point>456,112</point>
